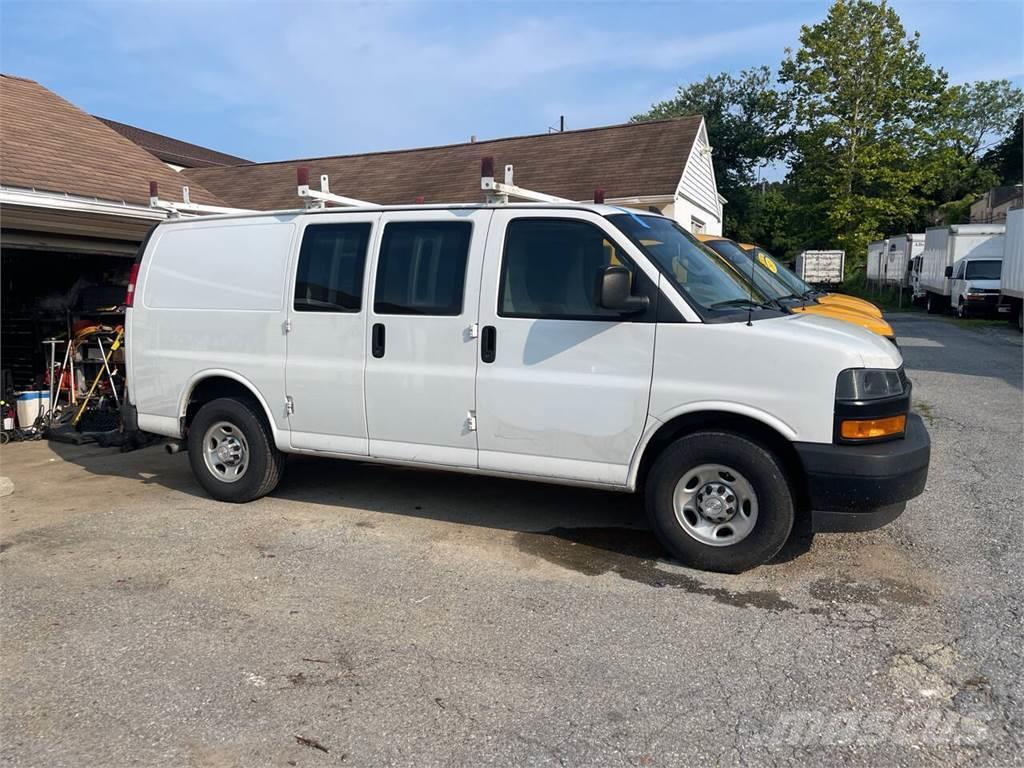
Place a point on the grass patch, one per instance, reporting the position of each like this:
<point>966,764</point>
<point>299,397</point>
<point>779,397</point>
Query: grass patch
<point>887,299</point>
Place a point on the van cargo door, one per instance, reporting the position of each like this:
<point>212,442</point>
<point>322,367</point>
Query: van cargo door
<point>326,333</point>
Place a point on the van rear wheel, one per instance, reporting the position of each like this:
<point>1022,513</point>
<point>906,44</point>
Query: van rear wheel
<point>719,502</point>
<point>232,452</point>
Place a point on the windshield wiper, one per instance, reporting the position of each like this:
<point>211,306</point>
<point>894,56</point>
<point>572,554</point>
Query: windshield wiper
<point>740,303</point>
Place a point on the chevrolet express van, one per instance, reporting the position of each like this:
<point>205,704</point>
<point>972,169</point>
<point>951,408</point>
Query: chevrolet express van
<point>802,288</point>
<point>563,343</point>
<point>765,276</point>
<point>974,286</point>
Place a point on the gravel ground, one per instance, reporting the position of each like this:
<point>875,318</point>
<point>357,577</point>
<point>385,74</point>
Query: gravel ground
<point>366,615</point>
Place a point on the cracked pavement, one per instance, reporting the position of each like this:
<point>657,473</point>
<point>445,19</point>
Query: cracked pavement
<point>366,615</point>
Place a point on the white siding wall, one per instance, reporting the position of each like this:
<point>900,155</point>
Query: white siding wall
<point>697,194</point>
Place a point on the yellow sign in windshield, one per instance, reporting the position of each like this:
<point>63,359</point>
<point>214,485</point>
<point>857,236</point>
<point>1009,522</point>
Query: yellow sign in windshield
<point>768,263</point>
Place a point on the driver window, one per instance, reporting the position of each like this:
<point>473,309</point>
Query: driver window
<point>551,269</point>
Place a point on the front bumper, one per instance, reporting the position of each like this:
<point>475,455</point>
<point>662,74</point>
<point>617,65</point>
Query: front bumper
<point>981,302</point>
<point>859,487</point>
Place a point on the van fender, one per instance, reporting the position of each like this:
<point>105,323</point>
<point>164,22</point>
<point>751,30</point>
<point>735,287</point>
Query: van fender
<point>654,423</point>
<point>280,438</point>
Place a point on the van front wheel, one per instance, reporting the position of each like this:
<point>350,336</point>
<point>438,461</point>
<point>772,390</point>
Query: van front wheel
<point>719,502</point>
<point>232,452</point>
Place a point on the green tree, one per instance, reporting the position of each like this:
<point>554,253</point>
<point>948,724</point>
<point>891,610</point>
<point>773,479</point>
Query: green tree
<point>857,85</point>
<point>976,112</point>
<point>744,114</point>
<point>1006,159</point>
<point>963,122</point>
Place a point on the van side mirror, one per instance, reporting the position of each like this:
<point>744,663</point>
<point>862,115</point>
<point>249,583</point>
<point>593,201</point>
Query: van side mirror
<point>949,271</point>
<point>614,293</point>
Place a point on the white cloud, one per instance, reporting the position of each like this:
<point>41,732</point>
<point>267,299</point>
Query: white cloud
<point>320,77</point>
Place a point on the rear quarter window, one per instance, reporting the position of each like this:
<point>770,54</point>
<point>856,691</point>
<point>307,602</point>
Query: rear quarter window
<point>232,267</point>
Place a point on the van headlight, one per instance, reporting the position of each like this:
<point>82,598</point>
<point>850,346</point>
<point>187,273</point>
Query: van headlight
<point>869,384</point>
<point>871,405</point>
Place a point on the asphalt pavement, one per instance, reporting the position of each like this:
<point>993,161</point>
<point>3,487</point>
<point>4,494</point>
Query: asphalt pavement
<point>366,615</point>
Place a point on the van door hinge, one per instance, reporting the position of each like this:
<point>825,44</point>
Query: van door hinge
<point>471,421</point>
<point>286,326</point>
<point>289,405</point>
<point>474,330</point>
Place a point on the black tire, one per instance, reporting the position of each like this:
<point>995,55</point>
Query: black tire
<point>758,466</point>
<point>932,304</point>
<point>1020,319</point>
<point>961,310</point>
<point>265,463</point>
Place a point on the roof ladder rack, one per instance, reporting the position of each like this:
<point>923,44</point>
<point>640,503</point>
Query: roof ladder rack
<point>186,206</point>
<point>497,192</point>
<point>320,198</point>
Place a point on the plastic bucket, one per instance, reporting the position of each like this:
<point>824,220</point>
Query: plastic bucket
<point>30,406</point>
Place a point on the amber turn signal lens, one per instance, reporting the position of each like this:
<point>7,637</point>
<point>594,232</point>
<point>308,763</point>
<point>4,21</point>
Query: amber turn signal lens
<point>867,429</point>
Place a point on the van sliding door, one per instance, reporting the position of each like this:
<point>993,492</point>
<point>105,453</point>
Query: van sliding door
<point>421,339</point>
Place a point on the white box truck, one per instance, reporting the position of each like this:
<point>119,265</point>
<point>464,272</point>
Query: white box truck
<point>900,255</point>
<point>875,259</point>
<point>821,267</point>
<point>553,342</point>
<point>945,245</point>
<point>1011,291</point>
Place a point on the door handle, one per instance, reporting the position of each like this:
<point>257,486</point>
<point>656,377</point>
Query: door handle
<point>377,340</point>
<point>488,343</point>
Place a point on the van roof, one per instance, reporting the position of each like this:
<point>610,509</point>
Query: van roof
<point>598,208</point>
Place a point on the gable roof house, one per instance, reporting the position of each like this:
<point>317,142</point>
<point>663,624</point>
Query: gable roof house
<point>66,174</point>
<point>177,154</point>
<point>661,165</point>
<point>74,205</point>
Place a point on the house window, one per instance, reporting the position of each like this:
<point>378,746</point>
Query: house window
<point>697,226</point>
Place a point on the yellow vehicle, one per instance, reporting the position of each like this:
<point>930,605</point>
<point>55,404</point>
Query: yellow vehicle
<point>793,281</point>
<point>763,273</point>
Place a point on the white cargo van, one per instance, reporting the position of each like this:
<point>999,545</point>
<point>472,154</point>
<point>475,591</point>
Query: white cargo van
<point>1011,288</point>
<point>974,286</point>
<point>566,343</point>
<point>945,245</point>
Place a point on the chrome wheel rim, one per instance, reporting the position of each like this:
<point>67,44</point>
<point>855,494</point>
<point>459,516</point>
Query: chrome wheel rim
<point>715,505</point>
<point>226,452</point>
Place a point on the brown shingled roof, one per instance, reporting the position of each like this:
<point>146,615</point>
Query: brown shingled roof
<point>627,160</point>
<point>173,150</point>
<point>50,145</point>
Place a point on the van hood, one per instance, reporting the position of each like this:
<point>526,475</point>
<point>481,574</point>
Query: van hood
<point>859,305</point>
<point>984,285</point>
<point>839,312</point>
<point>862,347</point>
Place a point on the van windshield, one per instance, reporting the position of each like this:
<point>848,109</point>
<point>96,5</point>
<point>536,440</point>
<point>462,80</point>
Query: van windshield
<point>752,270</point>
<point>984,270</point>
<point>696,272</point>
<point>784,274</point>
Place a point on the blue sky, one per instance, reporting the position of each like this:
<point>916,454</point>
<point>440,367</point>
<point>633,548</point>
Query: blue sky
<point>275,80</point>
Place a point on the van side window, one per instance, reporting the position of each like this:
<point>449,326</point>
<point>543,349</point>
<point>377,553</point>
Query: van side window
<point>422,268</point>
<point>551,269</point>
<point>331,265</point>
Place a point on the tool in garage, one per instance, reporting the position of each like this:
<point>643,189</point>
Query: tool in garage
<point>114,346</point>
